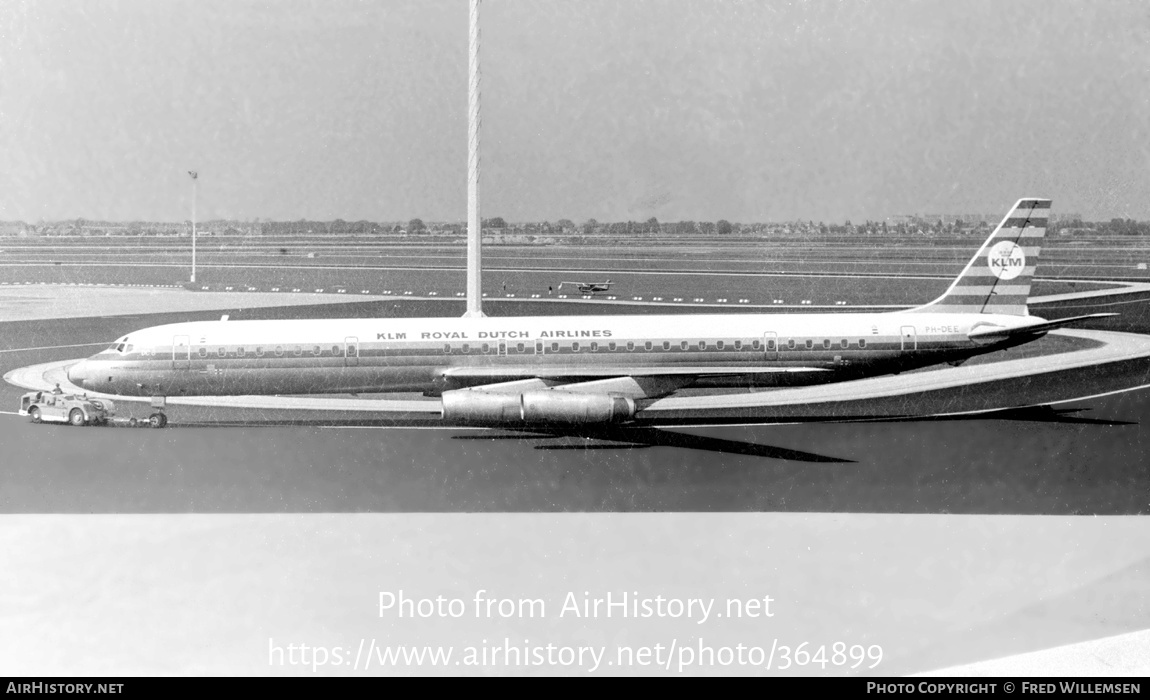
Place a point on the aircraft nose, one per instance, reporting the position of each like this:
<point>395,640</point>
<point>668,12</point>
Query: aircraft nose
<point>78,373</point>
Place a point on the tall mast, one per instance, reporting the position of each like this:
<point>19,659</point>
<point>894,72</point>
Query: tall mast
<point>474,222</point>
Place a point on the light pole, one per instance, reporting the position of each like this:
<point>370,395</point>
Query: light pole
<point>195,186</point>
<point>474,222</point>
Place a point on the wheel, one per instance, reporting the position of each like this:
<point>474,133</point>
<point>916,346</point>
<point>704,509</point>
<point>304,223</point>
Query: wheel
<point>157,420</point>
<point>76,417</point>
<point>34,414</point>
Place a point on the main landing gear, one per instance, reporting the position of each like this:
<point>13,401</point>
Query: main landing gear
<point>158,419</point>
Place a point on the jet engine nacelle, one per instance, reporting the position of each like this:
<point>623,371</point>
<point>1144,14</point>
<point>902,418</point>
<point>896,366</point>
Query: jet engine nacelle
<point>535,407</point>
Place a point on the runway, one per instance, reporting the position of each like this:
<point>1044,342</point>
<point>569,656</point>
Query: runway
<point>777,272</point>
<point>245,495</point>
<point>256,458</point>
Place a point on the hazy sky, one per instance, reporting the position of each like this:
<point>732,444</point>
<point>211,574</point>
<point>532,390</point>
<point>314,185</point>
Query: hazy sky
<point>679,109</point>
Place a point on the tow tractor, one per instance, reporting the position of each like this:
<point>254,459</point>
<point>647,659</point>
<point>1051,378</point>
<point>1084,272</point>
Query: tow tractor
<point>78,410</point>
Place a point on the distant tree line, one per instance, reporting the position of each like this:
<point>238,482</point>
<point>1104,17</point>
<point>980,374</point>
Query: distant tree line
<point>899,226</point>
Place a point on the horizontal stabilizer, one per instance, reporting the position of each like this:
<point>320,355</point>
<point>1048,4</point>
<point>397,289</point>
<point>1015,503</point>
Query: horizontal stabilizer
<point>989,332</point>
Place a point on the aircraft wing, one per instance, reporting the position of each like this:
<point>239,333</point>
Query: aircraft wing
<point>998,332</point>
<point>635,382</point>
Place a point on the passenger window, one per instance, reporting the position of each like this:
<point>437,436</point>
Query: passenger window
<point>684,345</point>
<point>520,347</point>
<point>538,348</point>
<point>279,351</point>
<point>203,352</point>
<point>575,347</point>
<point>630,346</point>
<point>554,347</point>
<point>845,343</point>
<point>647,345</point>
<point>738,345</point>
<point>486,348</point>
<point>239,352</point>
<point>612,346</point>
<point>297,350</point>
<point>447,348</point>
<point>316,350</point>
<point>594,347</point>
<point>862,342</point>
<point>719,345</point>
<point>466,348</point>
<point>666,345</point>
<point>259,351</point>
<point>810,344</point>
<point>826,343</point>
<point>702,345</point>
<point>335,351</point>
<point>351,352</point>
<point>221,351</point>
<point>791,344</point>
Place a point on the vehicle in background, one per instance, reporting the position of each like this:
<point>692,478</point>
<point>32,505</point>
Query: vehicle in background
<point>50,407</point>
<point>590,287</point>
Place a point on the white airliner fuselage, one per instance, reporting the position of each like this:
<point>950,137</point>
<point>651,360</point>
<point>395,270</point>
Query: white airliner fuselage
<point>433,355</point>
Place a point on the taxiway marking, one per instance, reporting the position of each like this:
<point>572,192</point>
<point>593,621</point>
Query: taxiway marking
<point>57,347</point>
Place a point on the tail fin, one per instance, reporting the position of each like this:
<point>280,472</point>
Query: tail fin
<point>997,279</point>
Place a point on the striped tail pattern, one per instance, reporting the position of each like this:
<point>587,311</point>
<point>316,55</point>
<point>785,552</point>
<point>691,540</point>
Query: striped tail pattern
<point>997,280</point>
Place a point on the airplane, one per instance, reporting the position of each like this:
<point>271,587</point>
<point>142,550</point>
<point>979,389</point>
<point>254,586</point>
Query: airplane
<point>590,287</point>
<point>585,371</point>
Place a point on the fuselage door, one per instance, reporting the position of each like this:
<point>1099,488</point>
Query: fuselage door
<point>909,338</point>
<point>770,345</point>
<point>351,351</point>
<point>181,352</point>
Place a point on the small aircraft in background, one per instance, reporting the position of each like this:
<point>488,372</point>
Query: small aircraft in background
<point>590,287</point>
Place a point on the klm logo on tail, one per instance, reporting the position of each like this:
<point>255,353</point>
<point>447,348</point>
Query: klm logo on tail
<point>997,279</point>
<point>1006,260</point>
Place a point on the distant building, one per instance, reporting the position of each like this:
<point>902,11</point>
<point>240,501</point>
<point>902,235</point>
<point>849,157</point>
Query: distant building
<point>951,218</point>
